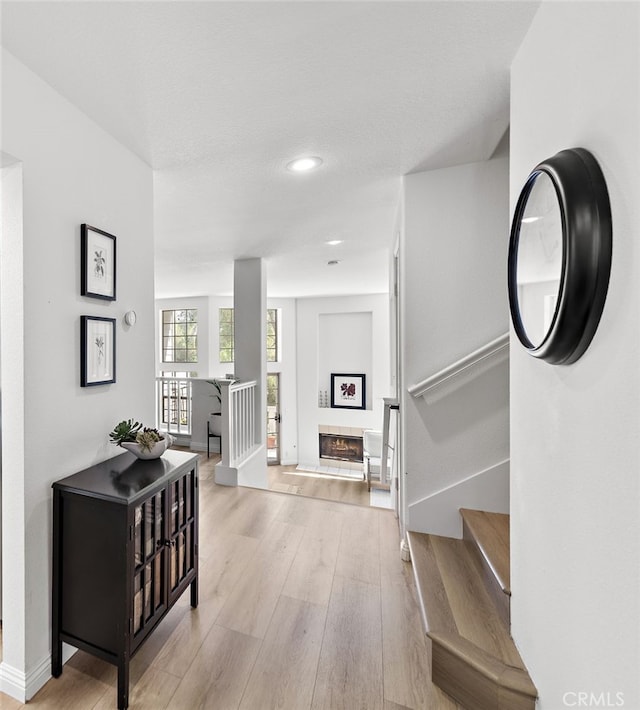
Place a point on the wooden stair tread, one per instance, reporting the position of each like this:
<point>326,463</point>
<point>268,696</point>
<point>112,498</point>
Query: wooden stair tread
<point>474,658</point>
<point>476,679</point>
<point>490,532</point>
<point>434,602</point>
<point>454,597</point>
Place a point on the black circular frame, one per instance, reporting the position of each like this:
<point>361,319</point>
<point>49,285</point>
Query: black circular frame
<point>586,236</point>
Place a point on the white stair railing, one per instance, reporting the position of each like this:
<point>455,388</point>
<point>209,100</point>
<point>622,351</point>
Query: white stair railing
<point>173,404</point>
<point>238,410</point>
<point>461,371</point>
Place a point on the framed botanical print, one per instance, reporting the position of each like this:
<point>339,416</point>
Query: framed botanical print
<point>97,351</point>
<point>98,263</point>
<point>348,391</point>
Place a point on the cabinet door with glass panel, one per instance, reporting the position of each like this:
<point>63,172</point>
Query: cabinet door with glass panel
<point>149,587</point>
<point>164,546</point>
<point>182,534</point>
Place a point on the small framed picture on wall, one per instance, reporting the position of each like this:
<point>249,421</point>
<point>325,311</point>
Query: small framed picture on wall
<point>98,263</point>
<point>97,351</point>
<point>348,391</point>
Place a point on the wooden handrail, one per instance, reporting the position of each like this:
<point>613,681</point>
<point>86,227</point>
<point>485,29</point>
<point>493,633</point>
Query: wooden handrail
<point>464,366</point>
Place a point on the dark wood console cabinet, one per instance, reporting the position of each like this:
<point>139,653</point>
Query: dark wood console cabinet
<point>125,547</point>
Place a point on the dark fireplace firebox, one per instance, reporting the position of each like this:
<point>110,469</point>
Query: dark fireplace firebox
<point>340,448</point>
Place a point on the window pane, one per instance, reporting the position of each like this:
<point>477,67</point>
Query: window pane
<point>225,356</point>
<point>176,346</point>
<point>226,329</point>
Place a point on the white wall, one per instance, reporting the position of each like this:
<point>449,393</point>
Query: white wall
<point>345,347</point>
<point>73,173</point>
<point>453,266</point>
<point>12,400</point>
<point>314,358</point>
<point>575,513</point>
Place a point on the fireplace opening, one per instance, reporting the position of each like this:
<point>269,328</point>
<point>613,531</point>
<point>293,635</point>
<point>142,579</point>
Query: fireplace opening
<point>340,448</point>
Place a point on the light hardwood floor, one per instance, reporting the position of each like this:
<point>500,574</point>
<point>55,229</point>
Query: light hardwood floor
<point>304,604</point>
<point>284,479</point>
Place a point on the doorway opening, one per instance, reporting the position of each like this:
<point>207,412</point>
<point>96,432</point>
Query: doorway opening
<point>273,419</point>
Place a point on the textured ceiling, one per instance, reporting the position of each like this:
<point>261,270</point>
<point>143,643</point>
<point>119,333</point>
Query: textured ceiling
<point>218,96</point>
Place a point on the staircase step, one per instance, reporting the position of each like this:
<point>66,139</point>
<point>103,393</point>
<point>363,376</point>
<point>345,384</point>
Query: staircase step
<point>490,532</point>
<point>476,679</point>
<point>454,597</point>
<point>488,537</point>
<point>473,653</point>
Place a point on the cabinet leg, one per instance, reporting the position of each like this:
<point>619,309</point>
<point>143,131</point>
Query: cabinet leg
<point>123,684</point>
<point>56,658</point>
<point>194,593</point>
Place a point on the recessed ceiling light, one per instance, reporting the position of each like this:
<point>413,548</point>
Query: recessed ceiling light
<point>333,262</point>
<point>528,220</point>
<point>334,242</point>
<point>303,165</point>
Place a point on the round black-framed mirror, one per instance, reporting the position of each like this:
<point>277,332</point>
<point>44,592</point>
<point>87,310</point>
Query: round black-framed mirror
<point>560,256</point>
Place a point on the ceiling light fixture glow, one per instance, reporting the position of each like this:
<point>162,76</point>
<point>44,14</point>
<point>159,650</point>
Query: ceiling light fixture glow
<point>334,242</point>
<point>303,165</point>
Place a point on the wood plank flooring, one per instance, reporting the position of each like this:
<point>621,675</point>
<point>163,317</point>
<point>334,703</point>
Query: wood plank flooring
<point>284,479</point>
<point>304,604</point>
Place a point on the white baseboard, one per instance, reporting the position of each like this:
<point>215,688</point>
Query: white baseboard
<point>226,475</point>
<point>23,686</point>
<point>13,682</point>
<point>438,513</point>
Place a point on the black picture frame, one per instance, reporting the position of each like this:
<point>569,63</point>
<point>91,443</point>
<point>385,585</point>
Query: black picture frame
<point>97,263</point>
<point>583,200</point>
<point>97,351</point>
<point>348,391</point>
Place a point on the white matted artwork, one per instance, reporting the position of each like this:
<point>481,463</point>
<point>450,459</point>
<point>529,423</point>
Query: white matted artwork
<point>97,351</point>
<point>98,263</point>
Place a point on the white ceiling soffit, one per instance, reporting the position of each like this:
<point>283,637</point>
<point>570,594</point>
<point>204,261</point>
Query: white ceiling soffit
<point>219,96</point>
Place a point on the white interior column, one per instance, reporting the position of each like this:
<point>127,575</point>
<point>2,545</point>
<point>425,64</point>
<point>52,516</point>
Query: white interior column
<point>250,335</point>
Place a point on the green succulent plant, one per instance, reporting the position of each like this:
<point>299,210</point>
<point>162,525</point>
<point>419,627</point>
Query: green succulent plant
<point>148,437</point>
<point>126,430</point>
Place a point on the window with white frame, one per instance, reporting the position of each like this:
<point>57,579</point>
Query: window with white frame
<point>227,335</point>
<point>180,335</point>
